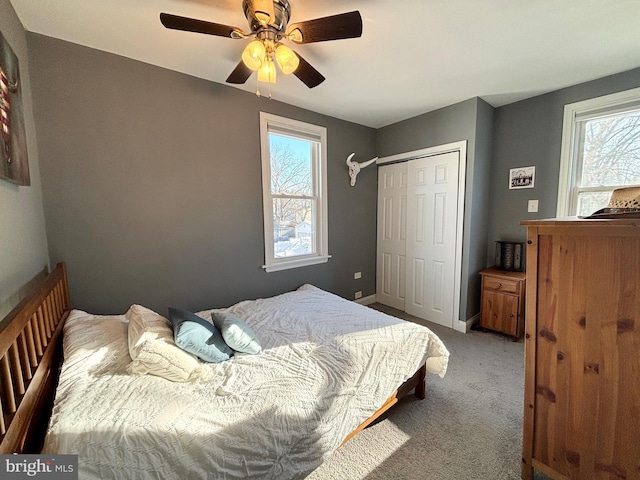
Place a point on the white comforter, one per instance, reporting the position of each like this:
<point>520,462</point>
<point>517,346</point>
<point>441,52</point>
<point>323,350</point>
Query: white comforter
<point>327,365</point>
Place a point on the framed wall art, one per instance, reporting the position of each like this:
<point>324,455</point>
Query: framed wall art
<point>522,177</point>
<point>14,164</point>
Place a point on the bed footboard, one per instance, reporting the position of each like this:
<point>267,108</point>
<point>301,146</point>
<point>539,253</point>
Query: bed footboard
<point>30,356</point>
<point>416,383</point>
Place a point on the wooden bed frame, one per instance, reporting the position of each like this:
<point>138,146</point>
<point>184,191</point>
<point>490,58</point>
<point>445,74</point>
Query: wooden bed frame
<point>30,359</point>
<point>30,356</point>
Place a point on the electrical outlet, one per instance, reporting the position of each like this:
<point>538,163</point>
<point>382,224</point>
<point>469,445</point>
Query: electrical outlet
<point>357,275</point>
<point>533,206</point>
<point>358,294</point>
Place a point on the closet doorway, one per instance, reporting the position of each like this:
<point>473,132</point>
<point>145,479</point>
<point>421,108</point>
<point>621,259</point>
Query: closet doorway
<point>419,244</point>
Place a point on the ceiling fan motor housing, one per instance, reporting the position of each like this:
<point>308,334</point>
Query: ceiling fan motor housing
<point>282,13</point>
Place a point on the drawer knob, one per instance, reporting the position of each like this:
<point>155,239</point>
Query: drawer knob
<point>499,285</point>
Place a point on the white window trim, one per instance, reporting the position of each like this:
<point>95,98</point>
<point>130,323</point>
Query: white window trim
<point>568,165</point>
<point>272,264</point>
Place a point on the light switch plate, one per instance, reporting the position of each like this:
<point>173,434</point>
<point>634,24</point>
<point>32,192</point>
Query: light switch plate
<point>533,206</point>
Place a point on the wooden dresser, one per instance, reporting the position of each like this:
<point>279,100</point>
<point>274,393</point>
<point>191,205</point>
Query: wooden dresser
<point>582,349</point>
<point>502,303</point>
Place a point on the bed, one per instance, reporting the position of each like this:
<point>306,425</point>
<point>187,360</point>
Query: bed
<point>328,367</point>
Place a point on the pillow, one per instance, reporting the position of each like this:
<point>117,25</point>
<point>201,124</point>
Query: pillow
<point>195,335</point>
<point>236,332</point>
<point>154,352</point>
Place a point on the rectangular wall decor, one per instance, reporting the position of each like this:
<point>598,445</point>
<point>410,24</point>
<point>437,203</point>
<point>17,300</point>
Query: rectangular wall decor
<point>14,164</point>
<point>522,177</point>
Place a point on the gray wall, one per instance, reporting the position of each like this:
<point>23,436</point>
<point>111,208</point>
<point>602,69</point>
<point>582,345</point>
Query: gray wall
<point>480,201</point>
<point>23,252</point>
<point>470,120</point>
<point>152,192</point>
<point>529,133</point>
<point>152,186</point>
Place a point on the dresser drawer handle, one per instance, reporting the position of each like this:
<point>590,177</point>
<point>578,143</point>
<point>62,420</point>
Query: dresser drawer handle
<point>499,285</point>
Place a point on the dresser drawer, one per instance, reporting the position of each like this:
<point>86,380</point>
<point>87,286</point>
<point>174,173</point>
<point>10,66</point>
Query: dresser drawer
<point>501,285</point>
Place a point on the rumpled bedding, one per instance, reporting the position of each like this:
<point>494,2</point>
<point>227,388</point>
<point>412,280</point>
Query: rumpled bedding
<point>327,365</point>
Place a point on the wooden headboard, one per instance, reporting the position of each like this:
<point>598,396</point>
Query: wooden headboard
<point>30,357</point>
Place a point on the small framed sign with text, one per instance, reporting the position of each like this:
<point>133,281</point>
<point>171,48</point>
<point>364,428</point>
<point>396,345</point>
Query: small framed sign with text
<point>522,177</point>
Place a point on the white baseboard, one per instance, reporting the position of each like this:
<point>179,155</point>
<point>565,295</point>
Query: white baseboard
<point>366,300</point>
<point>465,326</point>
<point>461,325</point>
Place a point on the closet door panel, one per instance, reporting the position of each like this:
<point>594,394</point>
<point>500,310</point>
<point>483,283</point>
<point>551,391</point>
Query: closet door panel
<point>432,194</point>
<point>392,234</point>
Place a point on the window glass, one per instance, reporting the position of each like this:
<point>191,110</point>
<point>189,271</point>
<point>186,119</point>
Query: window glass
<point>600,151</point>
<point>293,227</point>
<point>611,151</point>
<point>290,160</point>
<point>610,154</point>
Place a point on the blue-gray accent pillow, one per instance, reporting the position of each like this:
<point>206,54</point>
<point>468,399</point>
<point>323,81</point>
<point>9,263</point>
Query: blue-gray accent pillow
<point>197,336</point>
<point>236,333</point>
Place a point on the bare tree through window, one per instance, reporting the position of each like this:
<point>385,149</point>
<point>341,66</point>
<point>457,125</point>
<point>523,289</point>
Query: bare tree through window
<point>293,196</point>
<point>610,158</point>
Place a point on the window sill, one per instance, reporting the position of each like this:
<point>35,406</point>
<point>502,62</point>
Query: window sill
<point>299,262</point>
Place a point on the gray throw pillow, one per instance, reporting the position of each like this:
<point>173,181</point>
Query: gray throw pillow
<point>197,336</point>
<point>236,333</point>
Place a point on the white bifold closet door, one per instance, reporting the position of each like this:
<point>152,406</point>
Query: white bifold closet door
<point>392,235</point>
<point>417,228</point>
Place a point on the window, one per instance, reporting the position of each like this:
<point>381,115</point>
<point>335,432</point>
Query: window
<point>294,192</point>
<point>600,151</point>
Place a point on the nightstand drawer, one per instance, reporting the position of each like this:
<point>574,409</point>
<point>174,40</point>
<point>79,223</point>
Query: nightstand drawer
<point>501,285</point>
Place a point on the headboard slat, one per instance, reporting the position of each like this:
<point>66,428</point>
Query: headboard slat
<point>46,317</point>
<point>42,326</point>
<point>60,291</point>
<point>51,310</point>
<point>6,384</point>
<point>16,369</point>
<point>3,427</point>
<point>37,338</point>
<point>31,346</point>
<point>56,306</point>
<point>24,357</point>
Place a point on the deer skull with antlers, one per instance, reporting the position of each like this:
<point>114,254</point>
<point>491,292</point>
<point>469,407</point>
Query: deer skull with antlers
<point>355,167</point>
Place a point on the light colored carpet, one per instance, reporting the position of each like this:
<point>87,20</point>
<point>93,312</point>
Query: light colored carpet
<point>468,427</point>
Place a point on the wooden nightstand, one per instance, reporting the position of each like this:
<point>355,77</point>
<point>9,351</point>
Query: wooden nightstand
<point>502,305</point>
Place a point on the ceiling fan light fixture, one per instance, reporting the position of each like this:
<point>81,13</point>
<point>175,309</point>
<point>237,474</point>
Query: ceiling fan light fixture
<point>267,72</point>
<point>253,55</point>
<point>287,60</point>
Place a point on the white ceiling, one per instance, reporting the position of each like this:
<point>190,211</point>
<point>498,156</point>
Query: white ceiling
<point>414,56</point>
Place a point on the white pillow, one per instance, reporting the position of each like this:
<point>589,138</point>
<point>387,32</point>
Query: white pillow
<point>154,352</point>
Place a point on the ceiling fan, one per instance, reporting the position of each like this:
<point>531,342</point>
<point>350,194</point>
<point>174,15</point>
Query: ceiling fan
<point>268,21</point>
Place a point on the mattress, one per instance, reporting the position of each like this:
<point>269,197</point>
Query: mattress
<point>327,365</point>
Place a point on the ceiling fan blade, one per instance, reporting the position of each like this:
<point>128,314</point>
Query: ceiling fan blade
<point>334,27</point>
<point>240,74</point>
<point>307,74</point>
<point>176,22</point>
